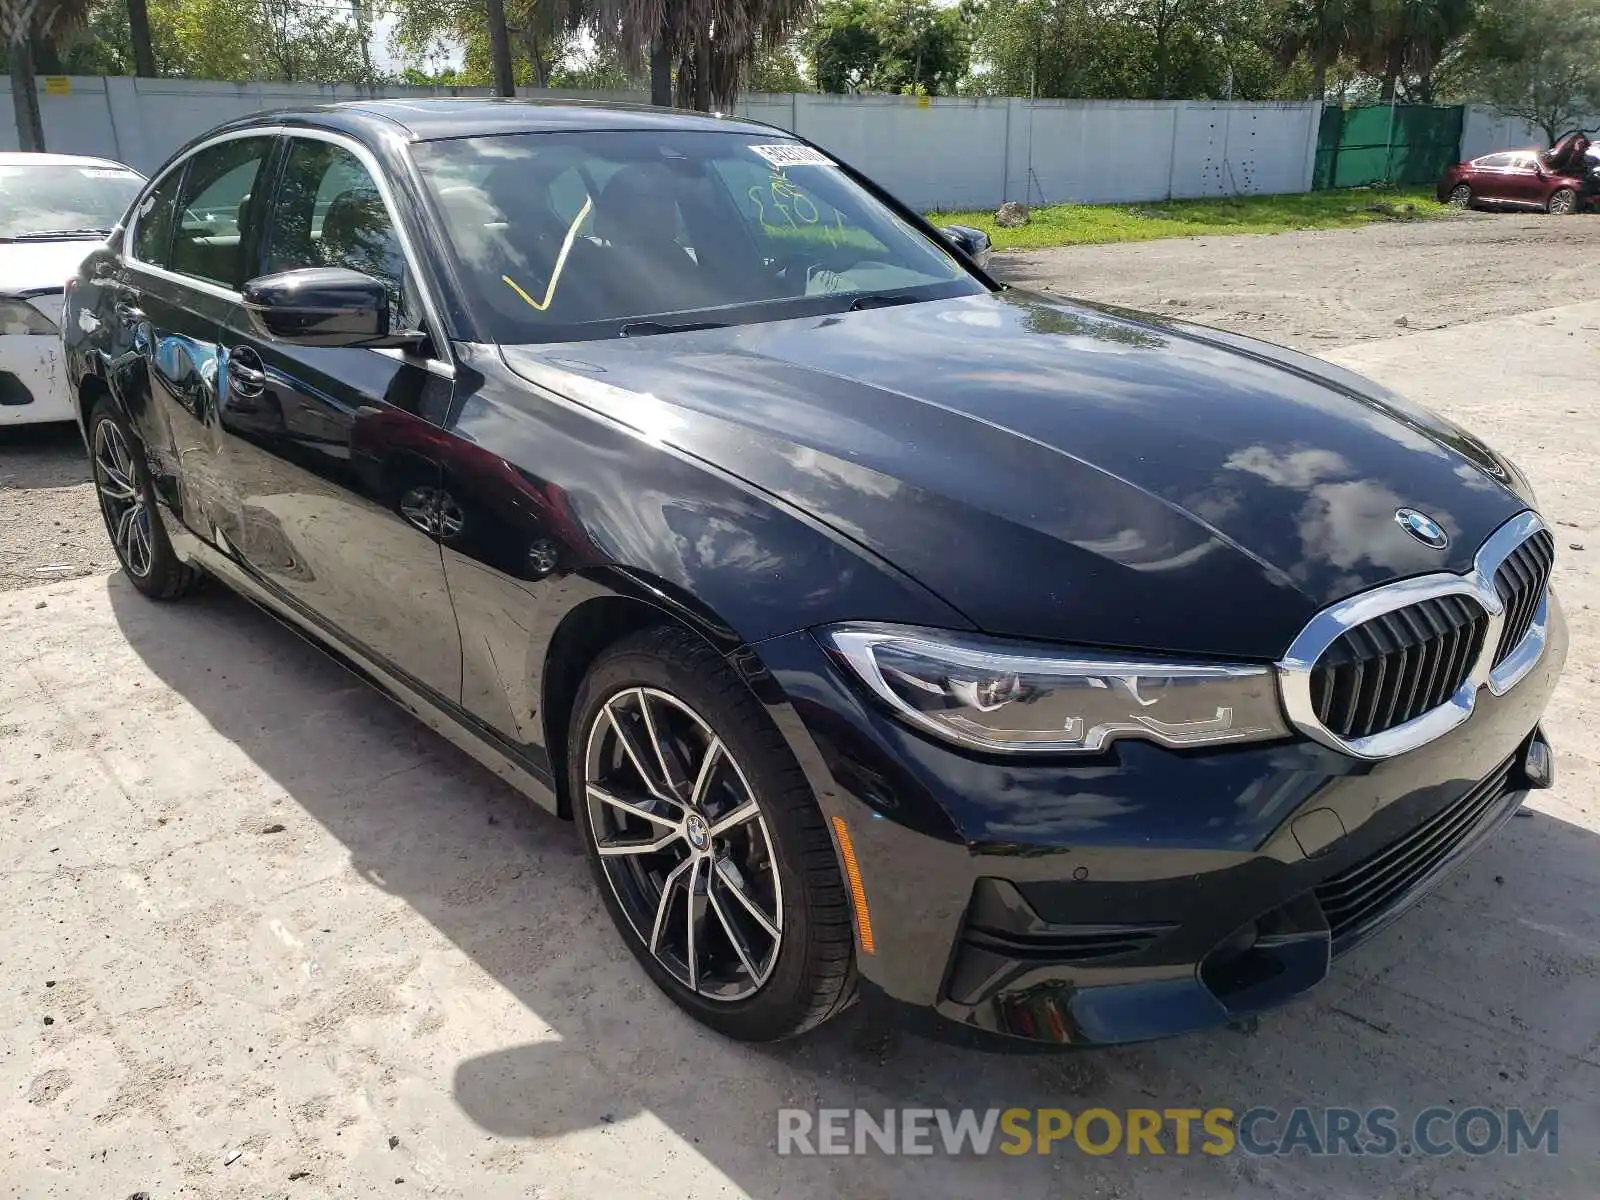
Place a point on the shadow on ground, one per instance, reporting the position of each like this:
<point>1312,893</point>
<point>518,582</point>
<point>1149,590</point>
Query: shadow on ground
<point>1486,994</point>
<point>42,456</point>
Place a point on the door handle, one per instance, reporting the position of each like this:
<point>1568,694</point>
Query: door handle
<point>245,373</point>
<point>128,314</point>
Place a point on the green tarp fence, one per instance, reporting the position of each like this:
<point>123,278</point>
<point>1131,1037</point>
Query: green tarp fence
<point>1384,143</point>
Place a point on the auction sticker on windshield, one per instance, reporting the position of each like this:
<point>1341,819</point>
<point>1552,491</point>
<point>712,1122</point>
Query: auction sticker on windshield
<point>792,154</point>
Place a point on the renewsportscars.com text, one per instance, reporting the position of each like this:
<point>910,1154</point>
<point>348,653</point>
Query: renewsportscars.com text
<point>1256,1131</point>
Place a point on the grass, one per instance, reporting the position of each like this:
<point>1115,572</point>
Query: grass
<point>1084,224</point>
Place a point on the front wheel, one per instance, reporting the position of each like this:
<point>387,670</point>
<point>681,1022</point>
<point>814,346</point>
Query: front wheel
<point>1461,196</point>
<point>1563,203</point>
<point>127,502</point>
<point>707,844</point>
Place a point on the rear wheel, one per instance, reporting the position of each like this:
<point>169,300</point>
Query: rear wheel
<point>127,502</point>
<point>1563,203</point>
<point>708,846</point>
<point>1461,196</point>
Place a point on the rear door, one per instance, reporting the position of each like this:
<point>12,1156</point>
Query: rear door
<point>176,289</point>
<point>333,451</point>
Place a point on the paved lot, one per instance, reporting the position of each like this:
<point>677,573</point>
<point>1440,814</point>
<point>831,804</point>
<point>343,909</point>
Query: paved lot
<point>262,911</point>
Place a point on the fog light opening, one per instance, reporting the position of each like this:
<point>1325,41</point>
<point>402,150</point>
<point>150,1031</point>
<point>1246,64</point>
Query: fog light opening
<point>1538,766</point>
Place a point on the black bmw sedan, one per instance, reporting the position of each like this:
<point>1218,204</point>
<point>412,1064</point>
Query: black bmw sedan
<point>1059,673</point>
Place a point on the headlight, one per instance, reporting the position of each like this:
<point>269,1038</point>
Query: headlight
<point>1000,696</point>
<point>18,316</point>
<point>1519,481</point>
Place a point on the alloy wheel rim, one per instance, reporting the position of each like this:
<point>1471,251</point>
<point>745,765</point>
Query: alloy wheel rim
<point>1561,203</point>
<point>433,511</point>
<point>121,499</point>
<point>1461,196</point>
<point>683,844</point>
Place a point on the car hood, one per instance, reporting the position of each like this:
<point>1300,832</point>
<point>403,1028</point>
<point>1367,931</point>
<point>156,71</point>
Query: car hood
<point>39,266</point>
<point>1063,471</point>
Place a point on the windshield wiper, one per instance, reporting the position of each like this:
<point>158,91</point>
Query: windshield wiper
<point>879,301</point>
<point>634,328</point>
<point>51,235</point>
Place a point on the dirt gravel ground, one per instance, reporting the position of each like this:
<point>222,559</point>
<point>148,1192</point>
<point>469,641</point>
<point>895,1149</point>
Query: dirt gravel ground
<point>266,936</point>
<point>1330,288</point>
<point>50,527</point>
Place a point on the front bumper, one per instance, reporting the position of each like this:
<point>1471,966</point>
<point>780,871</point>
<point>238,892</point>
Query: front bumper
<point>1144,892</point>
<point>33,380</point>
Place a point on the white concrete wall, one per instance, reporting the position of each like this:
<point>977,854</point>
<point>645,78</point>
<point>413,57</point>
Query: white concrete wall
<point>945,152</point>
<point>954,153</point>
<point>142,121</point>
<point>1484,130</point>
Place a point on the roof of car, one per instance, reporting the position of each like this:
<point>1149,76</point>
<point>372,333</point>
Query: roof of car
<point>427,117</point>
<point>29,158</point>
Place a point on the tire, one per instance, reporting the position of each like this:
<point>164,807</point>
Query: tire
<point>760,989</point>
<point>1460,196</point>
<point>1562,203</point>
<point>128,504</point>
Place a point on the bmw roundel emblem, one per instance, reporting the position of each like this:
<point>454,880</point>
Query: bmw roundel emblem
<point>1422,527</point>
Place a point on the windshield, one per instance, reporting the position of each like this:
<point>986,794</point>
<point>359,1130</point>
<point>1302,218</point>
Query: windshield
<point>565,236</point>
<point>53,198</point>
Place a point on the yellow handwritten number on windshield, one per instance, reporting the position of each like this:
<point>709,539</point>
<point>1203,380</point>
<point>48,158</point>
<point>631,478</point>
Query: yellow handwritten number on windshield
<point>561,262</point>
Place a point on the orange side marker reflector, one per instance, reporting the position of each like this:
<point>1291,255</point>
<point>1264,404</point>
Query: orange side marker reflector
<point>858,894</point>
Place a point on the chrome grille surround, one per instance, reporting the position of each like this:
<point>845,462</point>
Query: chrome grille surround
<point>1294,670</point>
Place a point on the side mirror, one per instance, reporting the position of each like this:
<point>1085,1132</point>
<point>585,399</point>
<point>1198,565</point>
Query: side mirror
<point>324,306</point>
<point>974,243</point>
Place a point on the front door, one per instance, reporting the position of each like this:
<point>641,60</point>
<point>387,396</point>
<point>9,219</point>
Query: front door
<point>176,290</point>
<point>332,450</point>
<point>1524,183</point>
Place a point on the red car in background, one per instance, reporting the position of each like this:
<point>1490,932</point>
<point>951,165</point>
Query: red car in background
<point>1556,180</point>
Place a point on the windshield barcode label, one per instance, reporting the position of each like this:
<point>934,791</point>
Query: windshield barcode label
<point>792,154</point>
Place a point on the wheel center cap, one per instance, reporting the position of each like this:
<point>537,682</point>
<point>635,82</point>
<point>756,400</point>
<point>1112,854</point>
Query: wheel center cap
<point>698,832</point>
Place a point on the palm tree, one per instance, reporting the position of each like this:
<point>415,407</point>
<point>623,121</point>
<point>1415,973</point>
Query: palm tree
<point>1410,37</point>
<point>1322,30</point>
<point>712,42</point>
<point>26,23</point>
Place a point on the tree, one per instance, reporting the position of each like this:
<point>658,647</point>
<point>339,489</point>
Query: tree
<point>144,55</point>
<point>922,49</point>
<point>704,46</point>
<point>896,46</point>
<point>1318,30</point>
<point>1535,59</point>
<point>1165,23</point>
<point>102,45</point>
<point>602,69</point>
<point>1113,49</point>
<point>1394,39</point>
<point>28,25</point>
<point>842,44</point>
<point>500,49</point>
<point>291,40</point>
<point>539,35</point>
<point>775,69</point>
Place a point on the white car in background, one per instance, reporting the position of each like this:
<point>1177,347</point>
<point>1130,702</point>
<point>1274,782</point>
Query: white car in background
<point>54,209</point>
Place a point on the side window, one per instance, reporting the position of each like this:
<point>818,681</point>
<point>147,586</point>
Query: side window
<point>152,229</point>
<point>328,212</point>
<point>1495,161</point>
<point>209,239</point>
